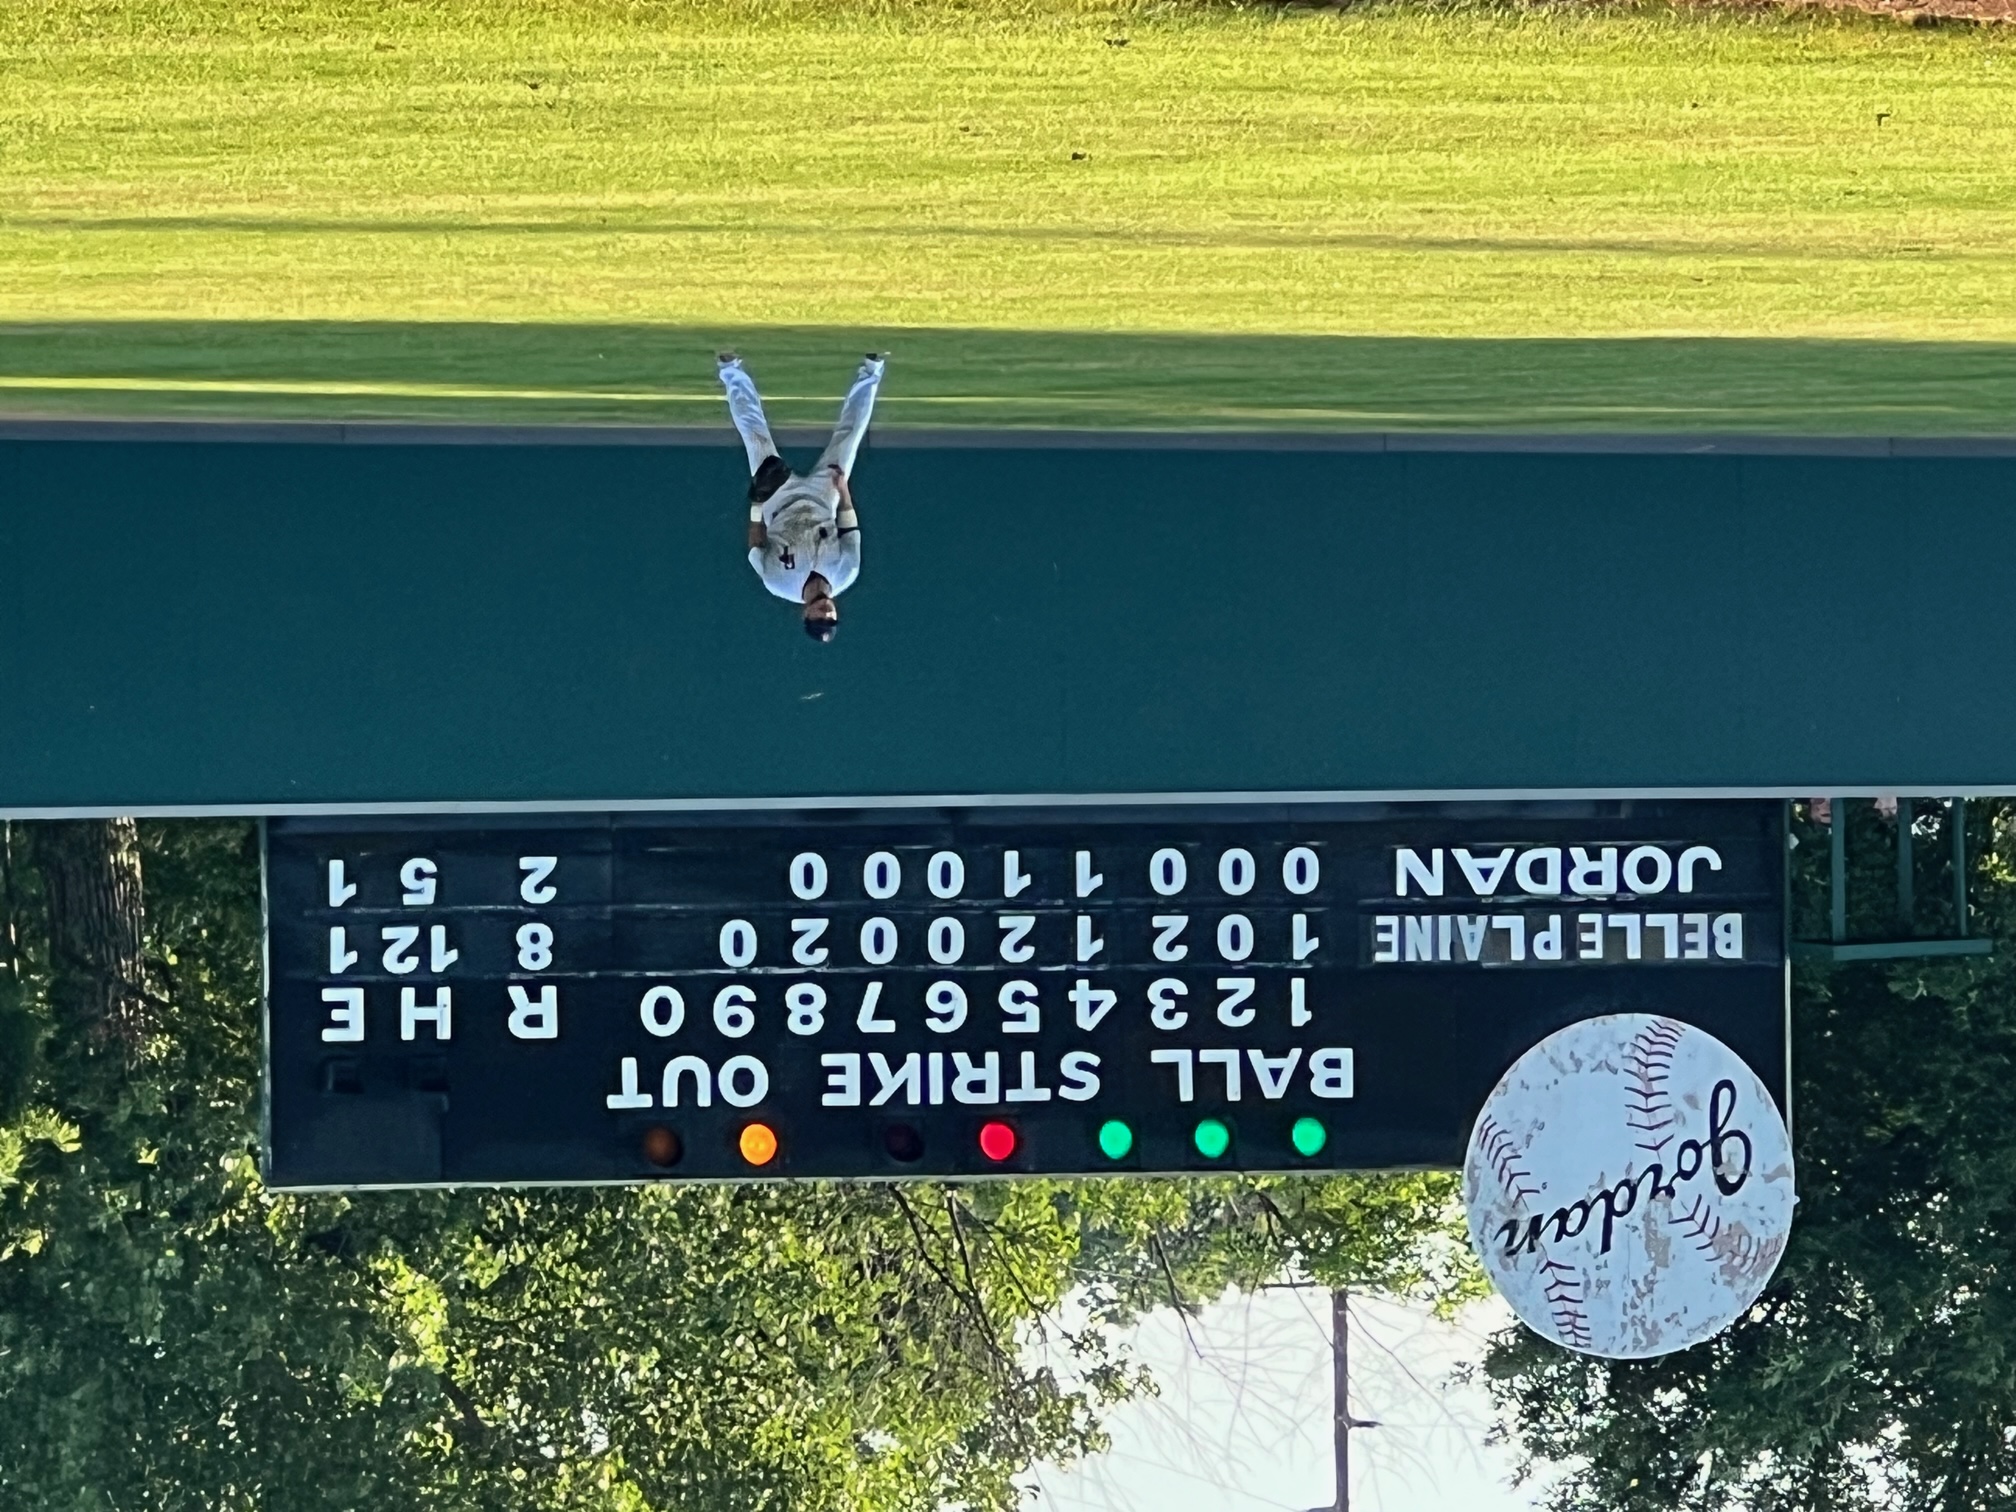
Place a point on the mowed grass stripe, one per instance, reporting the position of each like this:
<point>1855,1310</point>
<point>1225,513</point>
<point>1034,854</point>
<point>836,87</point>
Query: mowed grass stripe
<point>909,175</point>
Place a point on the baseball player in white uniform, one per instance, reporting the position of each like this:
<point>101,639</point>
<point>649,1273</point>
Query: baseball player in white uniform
<point>804,537</point>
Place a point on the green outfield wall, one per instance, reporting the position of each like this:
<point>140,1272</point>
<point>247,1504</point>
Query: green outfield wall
<point>294,619</point>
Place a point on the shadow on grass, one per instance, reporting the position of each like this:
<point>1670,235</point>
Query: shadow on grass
<point>653,374</point>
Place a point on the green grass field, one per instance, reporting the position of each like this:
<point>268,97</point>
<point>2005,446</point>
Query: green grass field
<point>1381,218</point>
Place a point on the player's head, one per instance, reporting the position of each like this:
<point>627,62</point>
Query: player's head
<point>822,617</point>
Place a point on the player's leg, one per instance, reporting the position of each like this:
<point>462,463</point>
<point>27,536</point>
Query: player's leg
<point>745,408</point>
<point>855,410</point>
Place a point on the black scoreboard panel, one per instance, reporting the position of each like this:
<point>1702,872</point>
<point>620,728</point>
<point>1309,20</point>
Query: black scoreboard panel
<point>891,992</point>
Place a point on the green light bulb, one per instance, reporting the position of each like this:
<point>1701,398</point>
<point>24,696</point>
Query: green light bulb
<point>1115,1139</point>
<point>1212,1138</point>
<point>1308,1136</point>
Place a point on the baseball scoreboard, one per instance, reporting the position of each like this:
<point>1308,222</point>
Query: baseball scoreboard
<point>987,990</point>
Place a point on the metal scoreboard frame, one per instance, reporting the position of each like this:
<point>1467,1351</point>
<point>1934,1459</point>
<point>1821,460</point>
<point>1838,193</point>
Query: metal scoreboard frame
<point>996,987</point>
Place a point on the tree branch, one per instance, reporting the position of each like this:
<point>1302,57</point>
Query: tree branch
<point>971,1302</point>
<point>1175,1292</point>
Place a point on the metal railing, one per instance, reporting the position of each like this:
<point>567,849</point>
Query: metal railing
<point>1906,941</point>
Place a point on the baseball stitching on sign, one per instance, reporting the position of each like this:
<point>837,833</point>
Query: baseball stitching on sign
<point>1504,1157</point>
<point>1564,1296</point>
<point>1629,1186</point>
<point>1564,1282</point>
<point>1651,1065</point>
<point>1747,1254</point>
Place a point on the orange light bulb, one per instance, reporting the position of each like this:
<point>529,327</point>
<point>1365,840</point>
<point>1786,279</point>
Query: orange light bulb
<point>758,1144</point>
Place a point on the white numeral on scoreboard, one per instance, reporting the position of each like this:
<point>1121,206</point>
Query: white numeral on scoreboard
<point>535,946</point>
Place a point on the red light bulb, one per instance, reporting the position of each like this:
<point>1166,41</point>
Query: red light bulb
<point>997,1140</point>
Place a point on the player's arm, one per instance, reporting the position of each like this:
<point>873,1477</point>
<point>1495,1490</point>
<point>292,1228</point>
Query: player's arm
<point>849,521</point>
<point>759,534</point>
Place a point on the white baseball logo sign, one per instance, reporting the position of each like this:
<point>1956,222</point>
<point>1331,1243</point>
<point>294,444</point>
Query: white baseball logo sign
<point>1629,1186</point>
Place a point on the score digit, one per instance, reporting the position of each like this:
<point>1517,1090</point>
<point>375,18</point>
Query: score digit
<point>807,1002</point>
<point>947,1002</point>
<point>734,1011</point>
<point>808,876</point>
<point>663,1011</point>
<point>738,943</point>
<point>534,888</point>
<point>1301,871</point>
<point>535,946</point>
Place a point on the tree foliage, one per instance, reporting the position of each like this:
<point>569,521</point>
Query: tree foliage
<point>174,1336</point>
<point>1879,1369</point>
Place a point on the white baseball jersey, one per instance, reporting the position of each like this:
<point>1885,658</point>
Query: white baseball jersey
<point>802,524</point>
